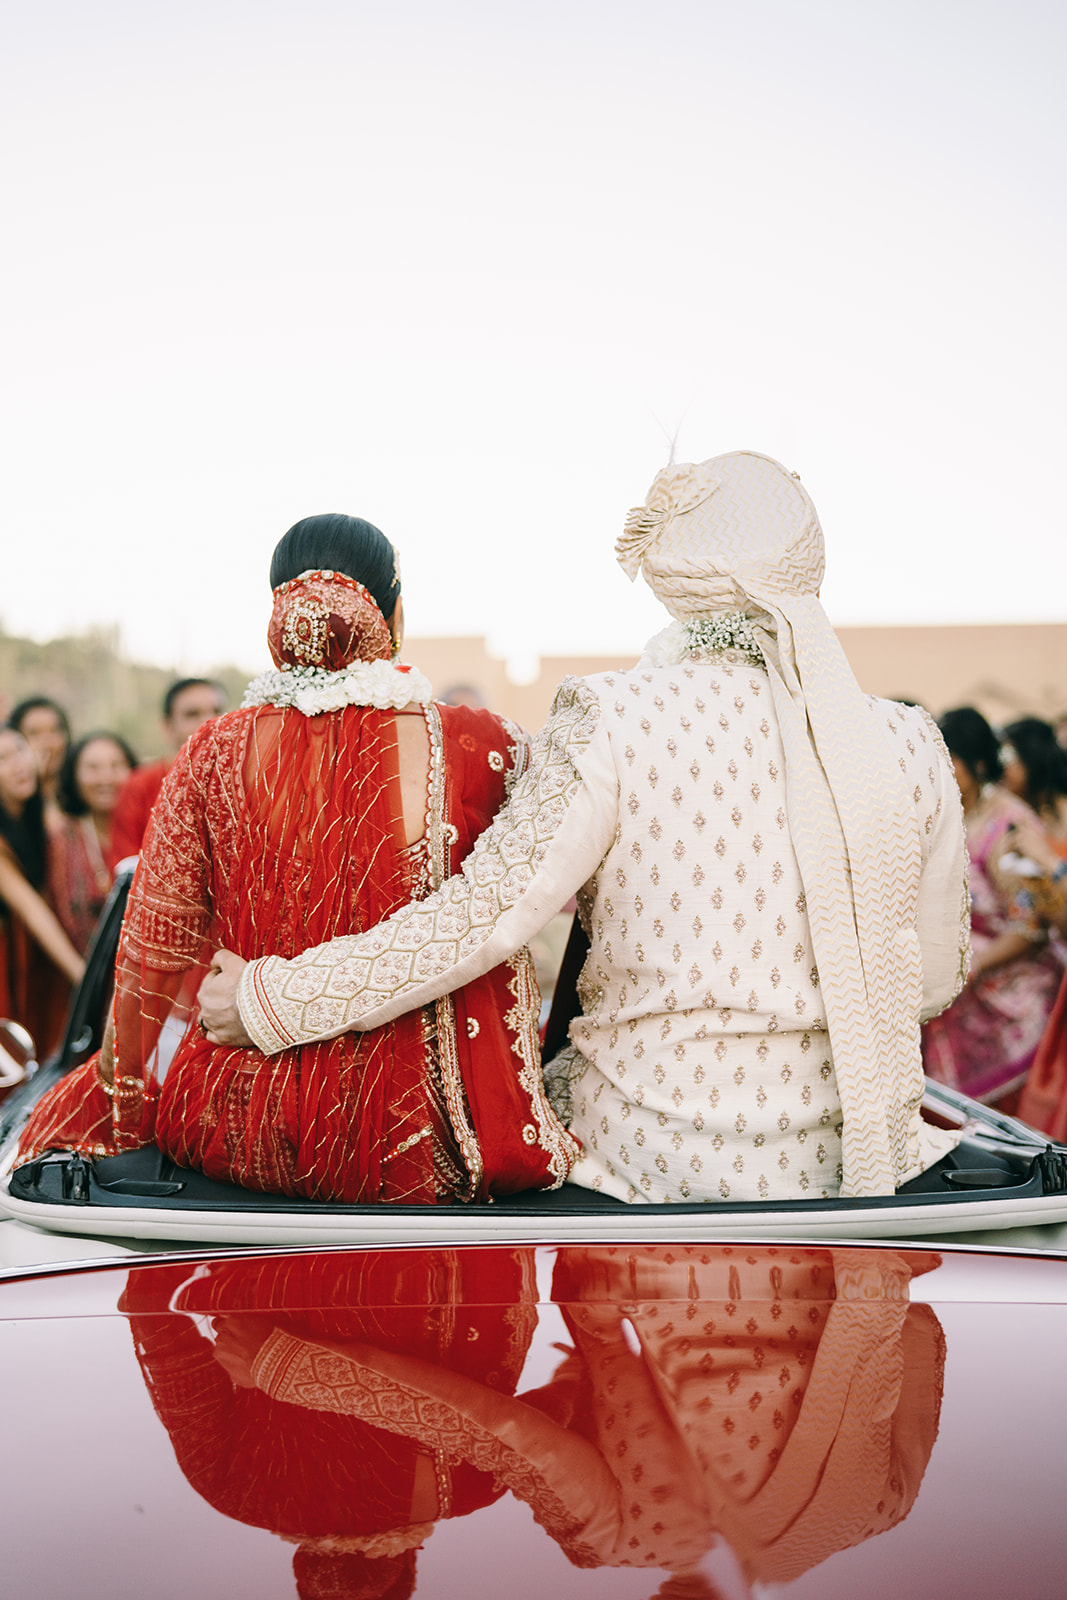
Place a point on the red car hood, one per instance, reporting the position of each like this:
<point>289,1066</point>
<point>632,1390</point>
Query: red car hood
<point>534,1422</point>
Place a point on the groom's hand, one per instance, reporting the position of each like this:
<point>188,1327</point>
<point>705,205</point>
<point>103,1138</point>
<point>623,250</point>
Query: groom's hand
<point>220,1020</point>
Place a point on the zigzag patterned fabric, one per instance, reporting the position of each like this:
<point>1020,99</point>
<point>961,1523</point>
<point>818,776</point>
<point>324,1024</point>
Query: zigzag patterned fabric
<point>739,532</point>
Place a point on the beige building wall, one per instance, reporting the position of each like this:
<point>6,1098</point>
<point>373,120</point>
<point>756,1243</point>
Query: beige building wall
<point>1006,670</point>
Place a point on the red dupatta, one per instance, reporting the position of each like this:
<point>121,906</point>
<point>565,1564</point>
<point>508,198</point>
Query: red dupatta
<point>487,1032</point>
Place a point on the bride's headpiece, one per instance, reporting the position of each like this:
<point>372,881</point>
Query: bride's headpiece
<point>325,619</point>
<point>332,648</point>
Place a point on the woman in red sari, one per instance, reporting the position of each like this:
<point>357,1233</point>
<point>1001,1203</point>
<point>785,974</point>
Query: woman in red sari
<point>79,845</point>
<point>333,795</point>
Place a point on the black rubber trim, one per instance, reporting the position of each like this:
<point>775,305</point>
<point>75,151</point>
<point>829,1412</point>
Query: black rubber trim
<point>146,1177</point>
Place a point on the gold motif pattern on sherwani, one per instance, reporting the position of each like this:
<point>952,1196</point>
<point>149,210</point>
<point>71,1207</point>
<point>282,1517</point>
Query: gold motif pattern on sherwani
<point>707,1071</point>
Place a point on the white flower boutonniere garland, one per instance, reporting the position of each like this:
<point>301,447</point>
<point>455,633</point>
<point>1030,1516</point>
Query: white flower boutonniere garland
<point>728,634</point>
<point>314,690</point>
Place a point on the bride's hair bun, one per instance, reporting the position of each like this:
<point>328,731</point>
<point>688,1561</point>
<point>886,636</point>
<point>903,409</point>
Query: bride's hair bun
<point>334,542</point>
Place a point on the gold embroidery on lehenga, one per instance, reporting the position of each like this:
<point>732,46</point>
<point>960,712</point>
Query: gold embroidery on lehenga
<point>518,754</point>
<point>441,835</point>
<point>521,1022</point>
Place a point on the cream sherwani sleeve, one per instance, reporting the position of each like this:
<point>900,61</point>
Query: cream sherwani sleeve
<point>943,907</point>
<point>541,847</point>
<point>943,912</point>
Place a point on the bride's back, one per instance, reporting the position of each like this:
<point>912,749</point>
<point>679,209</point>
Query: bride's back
<point>315,820</point>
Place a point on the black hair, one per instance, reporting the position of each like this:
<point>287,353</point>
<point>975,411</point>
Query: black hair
<point>180,686</point>
<point>336,543</point>
<point>1044,760</point>
<point>969,736</point>
<point>26,835</point>
<point>67,792</point>
<point>38,702</point>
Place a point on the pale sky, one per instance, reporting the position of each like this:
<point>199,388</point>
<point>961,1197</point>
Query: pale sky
<point>463,269</point>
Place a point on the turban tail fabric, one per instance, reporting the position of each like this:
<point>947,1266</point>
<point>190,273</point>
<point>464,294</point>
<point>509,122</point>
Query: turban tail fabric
<point>740,533</point>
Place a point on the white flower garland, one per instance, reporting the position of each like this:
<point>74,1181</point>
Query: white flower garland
<point>314,690</point>
<point>726,632</point>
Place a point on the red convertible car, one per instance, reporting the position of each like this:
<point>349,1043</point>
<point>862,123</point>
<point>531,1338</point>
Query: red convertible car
<point>542,1399</point>
<point>622,1419</point>
<point>1001,1174</point>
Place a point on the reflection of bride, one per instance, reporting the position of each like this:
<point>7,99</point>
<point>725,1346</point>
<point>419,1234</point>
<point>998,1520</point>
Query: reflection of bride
<point>356,1500</point>
<point>336,793</point>
<point>762,1407</point>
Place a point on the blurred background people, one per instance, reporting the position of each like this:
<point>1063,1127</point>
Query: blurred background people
<point>1040,880</point>
<point>186,704</point>
<point>463,694</point>
<point>1035,769</point>
<point>985,1042</point>
<point>37,959</point>
<point>79,877</point>
<point>46,729</point>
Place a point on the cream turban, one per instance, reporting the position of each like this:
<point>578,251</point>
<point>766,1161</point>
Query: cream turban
<point>740,533</point>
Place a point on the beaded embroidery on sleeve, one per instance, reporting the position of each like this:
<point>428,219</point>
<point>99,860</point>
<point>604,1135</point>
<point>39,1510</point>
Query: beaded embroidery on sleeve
<point>330,988</point>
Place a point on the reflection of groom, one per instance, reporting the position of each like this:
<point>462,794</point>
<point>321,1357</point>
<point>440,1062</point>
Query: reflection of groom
<point>785,1400</point>
<point>796,1390</point>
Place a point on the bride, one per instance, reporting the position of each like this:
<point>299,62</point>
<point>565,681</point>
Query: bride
<point>337,793</point>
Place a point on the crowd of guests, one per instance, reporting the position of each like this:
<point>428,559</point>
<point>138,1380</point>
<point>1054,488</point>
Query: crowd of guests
<point>1004,1040</point>
<point>70,810</point>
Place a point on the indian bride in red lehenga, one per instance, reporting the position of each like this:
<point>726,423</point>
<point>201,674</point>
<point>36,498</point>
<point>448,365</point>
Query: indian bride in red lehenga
<point>292,820</point>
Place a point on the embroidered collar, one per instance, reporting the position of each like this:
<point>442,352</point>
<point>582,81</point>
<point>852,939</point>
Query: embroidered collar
<point>382,684</point>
